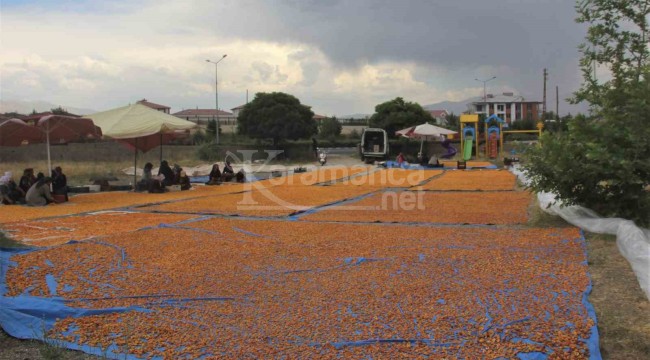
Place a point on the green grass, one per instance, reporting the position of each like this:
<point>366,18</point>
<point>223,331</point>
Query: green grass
<point>622,310</point>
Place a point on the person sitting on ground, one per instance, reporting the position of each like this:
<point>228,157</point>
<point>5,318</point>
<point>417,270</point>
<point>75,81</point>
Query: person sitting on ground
<point>240,177</point>
<point>228,172</point>
<point>177,174</point>
<point>214,178</point>
<point>400,159</point>
<point>167,172</point>
<point>150,183</point>
<point>39,194</point>
<point>10,192</point>
<point>184,180</point>
<point>59,182</point>
<point>422,159</point>
<point>27,180</point>
<point>147,177</point>
<point>433,162</point>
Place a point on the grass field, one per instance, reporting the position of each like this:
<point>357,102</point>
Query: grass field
<point>285,267</point>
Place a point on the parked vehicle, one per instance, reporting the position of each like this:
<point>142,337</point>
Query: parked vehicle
<point>374,145</point>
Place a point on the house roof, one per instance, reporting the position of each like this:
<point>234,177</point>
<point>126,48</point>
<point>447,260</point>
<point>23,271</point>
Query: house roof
<point>153,105</point>
<point>38,116</point>
<point>202,112</point>
<point>438,113</point>
<point>238,107</point>
<point>320,117</point>
<point>504,98</point>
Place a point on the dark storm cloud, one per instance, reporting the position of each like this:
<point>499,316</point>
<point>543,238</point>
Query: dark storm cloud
<point>514,33</point>
<point>513,39</point>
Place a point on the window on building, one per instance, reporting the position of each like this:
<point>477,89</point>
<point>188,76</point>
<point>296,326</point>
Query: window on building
<point>479,108</point>
<point>501,108</point>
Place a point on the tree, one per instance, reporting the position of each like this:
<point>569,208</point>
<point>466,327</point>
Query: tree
<point>453,121</point>
<point>398,114</point>
<point>277,116</point>
<point>59,111</point>
<point>601,161</point>
<point>329,128</point>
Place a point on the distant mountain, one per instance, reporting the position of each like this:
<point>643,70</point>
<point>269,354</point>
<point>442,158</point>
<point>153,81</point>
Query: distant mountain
<point>354,116</point>
<point>26,107</point>
<point>456,107</point>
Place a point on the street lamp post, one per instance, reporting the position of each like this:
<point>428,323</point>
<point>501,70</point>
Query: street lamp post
<point>216,92</point>
<point>485,105</point>
<point>485,82</point>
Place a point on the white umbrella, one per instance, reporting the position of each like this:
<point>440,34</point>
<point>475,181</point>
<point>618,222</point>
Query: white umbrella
<point>425,131</point>
<point>138,122</point>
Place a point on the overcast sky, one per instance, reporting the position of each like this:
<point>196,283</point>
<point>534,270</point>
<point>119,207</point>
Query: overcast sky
<point>338,56</point>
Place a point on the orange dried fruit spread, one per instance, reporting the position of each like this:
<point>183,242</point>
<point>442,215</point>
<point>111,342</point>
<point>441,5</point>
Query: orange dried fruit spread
<point>333,285</point>
<point>472,180</point>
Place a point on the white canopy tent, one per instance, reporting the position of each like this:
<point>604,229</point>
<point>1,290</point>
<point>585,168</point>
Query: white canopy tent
<point>138,121</point>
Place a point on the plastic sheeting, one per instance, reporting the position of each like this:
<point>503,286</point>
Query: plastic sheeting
<point>633,242</point>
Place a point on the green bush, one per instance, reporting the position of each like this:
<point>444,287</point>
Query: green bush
<point>596,164</point>
<point>602,162</point>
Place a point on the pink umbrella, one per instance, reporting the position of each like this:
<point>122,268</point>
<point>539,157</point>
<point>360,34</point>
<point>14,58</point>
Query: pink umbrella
<point>13,132</point>
<point>63,129</point>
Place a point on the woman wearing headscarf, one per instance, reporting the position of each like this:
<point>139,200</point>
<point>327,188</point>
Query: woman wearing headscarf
<point>59,182</point>
<point>214,178</point>
<point>39,194</point>
<point>10,192</point>
<point>184,180</point>
<point>27,180</point>
<point>228,172</point>
<point>167,172</point>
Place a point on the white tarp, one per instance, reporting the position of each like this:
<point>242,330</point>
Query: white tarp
<point>633,242</point>
<point>137,120</point>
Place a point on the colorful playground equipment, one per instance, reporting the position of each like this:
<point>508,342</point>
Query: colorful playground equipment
<point>468,135</point>
<point>493,136</point>
<point>450,150</point>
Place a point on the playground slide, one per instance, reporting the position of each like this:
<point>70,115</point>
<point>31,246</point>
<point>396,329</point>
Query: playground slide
<point>467,151</point>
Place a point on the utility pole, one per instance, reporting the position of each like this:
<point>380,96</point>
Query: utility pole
<point>216,92</point>
<point>557,103</point>
<point>544,103</point>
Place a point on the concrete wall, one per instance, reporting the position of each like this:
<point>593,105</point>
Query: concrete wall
<point>90,152</point>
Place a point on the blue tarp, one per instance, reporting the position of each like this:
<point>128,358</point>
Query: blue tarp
<point>393,164</point>
<point>30,317</point>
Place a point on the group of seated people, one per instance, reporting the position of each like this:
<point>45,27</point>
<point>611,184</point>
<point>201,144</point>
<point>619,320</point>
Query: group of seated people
<point>34,190</point>
<point>216,176</point>
<point>422,160</point>
<point>166,177</point>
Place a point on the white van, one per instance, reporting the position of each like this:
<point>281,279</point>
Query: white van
<point>374,145</point>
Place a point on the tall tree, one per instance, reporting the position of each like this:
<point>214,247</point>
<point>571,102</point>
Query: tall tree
<point>398,114</point>
<point>277,116</point>
<point>329,128</point>
<point>601,162</point>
